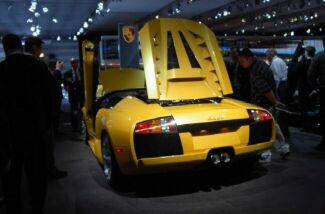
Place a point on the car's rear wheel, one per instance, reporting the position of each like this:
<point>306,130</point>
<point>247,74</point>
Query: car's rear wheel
<point>112,172</point>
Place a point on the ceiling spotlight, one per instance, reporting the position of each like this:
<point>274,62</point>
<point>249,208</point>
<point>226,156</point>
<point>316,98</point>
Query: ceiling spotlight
<point>285,34</point>
<point>97,11</point>
<point>33,6</point>
<point>157,16</point>
<point>308,31</point>
<point>315,15</point>
<point>81,30</point>
<point>58,38</point>
<point>320,29</point>
<point>90,20</point>
<point>30,20</point>
<point>78,33</point>
<point>85,25</point>
<point>37,14</point>
<point>32,28</point>
<point>35,34</point>
<point>292,33</point>
<point>74,38</point>
<point>108,10</point>
<point>256,28</point>
<point>243,31</point>
<point>100,5</point>
<point>54,20</point>
<point>69,37</point>
<point>45,10</point>
<point>243,20</point>
<point>200,22</point>
<point>226,34</point>
<point>226,13</point>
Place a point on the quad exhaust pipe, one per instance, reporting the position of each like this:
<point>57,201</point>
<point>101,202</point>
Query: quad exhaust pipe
<point>217,159</point>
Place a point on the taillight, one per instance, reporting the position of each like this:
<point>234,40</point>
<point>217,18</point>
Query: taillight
<point>159,125</point>
<point>259,115</point>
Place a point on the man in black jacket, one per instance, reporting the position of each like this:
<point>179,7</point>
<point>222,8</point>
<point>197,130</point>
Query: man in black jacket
<point>73,84</point>
<point>33,47</point>
<point>23,105</point>
<point>304,88</point>
<point>316,76</point>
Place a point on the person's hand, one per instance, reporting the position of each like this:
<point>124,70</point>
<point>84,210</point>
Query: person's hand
<point>279,104</point>
<point>59,65</point>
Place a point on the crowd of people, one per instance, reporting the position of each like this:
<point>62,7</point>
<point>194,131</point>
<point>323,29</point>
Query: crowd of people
<point>29,118</point>
<point>268,83</point>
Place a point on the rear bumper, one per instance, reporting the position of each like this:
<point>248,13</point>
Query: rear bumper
<point>190,160</point>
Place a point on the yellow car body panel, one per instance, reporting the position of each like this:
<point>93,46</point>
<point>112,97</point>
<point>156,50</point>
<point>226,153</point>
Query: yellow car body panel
<point>194,98</point>
<point>208,79</point>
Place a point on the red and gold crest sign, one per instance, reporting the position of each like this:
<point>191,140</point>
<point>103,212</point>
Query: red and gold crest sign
<point>128,33</point>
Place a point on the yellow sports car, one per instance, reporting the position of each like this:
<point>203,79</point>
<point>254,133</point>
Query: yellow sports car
<point>175,114</point>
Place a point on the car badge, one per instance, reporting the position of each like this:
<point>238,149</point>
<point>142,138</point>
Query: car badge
<point>128,33</point>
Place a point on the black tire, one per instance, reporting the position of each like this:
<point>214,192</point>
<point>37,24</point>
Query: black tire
<point>112,172</point>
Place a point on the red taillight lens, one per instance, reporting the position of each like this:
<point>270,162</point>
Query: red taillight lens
<point>259,115</point>
<point>159,125</point>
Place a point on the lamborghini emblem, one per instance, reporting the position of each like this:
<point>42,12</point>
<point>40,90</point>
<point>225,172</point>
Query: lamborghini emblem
<point>128,33</point>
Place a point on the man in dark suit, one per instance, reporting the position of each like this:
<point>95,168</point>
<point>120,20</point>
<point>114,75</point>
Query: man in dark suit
<point>55,68</point>
<point>73,84</point>
<point>24,105</point>
<point>33,47</point>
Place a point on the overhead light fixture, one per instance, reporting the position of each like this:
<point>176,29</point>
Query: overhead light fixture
<point>74,38</point>
<point>157,16</point>
<point>54,20</point>
<point>30,20</point>
<point>292,33</point>
<point>32,28</point>
<point>85,25</point>
<point>37,14</point>
<point>285,34</point>
<point>108,10</point>
<point>320,29</point>
<point>34,34</point>
<point>69,37</point>
<point>308,31</point>
<point>58,38</point>
<point>90,20</point>
<point>200,22</point>
<point>100,6</point>
<point>45,10</point>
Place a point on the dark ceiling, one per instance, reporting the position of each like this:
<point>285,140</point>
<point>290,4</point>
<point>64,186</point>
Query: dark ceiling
<point>227,17</point>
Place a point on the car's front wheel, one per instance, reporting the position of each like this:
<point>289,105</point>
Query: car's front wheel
<point>112,172</point>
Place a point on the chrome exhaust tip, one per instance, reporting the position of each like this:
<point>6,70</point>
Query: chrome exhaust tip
<point>225,157</point>
<point>215,159</point>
